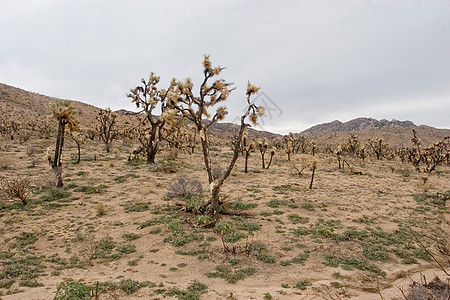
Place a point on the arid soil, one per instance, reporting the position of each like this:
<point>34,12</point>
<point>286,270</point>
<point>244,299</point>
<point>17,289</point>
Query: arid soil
<point>356,234</point>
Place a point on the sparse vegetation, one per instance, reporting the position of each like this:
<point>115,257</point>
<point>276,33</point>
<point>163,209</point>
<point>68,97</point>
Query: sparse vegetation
<point>155,222</point>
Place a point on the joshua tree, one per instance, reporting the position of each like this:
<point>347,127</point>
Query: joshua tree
<point>432,156</point>
<point>351,145</point>
<point>289,149</point>
<point>300,143</point>
<point>107,127</point>
<point>179,135</point>
<point>79,138</point>
<point>262,147</point>
<point>148,98</point>
<point>436,154</point>
<point>246,148</point>
<point>272,153</point>
<point>314,167</point>
<point>378,147</point>
<point>65,114</point>
<point>195,109</point>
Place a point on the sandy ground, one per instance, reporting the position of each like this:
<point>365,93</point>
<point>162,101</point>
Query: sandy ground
<point>380,198</point>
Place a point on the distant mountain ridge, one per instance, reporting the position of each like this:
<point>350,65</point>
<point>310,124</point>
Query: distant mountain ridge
<point>357,124</point>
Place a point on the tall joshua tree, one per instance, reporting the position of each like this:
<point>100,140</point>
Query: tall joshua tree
<point>66,115</point>
<point>213,91</point>
<point>148,98</point>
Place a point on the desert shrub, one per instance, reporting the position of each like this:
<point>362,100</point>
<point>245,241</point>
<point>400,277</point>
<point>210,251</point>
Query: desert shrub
<point>129,236</point>
<point>129,286</point>
<point>349,263</point>
<point>136,206</point>
<point>15,187</point>
<point>184,187</point>
<point>91,189</point>
<point>55,194</point>
<point>195,204</point>
<point>71,290</point>
<point>303,284</point>
<point>239,205</point>
<point>193,291</point>
<point>127,249</point>
<point>231,275</point>
<point>104,247</point>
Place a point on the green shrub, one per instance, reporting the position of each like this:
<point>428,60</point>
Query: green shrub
<point>127,249</point>
<point>73,290</point>
<point>303,284</point>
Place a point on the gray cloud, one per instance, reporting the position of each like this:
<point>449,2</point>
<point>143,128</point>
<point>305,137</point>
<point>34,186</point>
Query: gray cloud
<point>317,60</point>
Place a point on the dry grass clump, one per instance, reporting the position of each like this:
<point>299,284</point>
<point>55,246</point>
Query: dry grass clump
<point>100,209</point>
<point>184,187</point>
<point>15,187</point>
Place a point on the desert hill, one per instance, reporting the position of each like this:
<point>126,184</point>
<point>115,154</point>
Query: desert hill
<point>15,103</point>
<point>355,125</point>
<point>396,133</point>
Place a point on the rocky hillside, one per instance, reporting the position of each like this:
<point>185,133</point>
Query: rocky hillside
<point>355,125</point>
<point>396,133</point>
<point>16,104</point>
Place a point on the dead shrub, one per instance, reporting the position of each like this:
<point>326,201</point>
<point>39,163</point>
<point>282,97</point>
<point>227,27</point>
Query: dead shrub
<point>16,187</point>
<point>184,187</point>
<point>435,289</point>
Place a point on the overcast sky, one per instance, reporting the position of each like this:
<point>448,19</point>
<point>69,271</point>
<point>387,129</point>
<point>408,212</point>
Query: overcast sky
<point>315,60</point>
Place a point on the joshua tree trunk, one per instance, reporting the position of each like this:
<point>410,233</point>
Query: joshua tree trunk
<point>79,153</point>
<point>262,159</point>
<point>57,163</point>
<point>312,177</point>
<point>270,160</point>
<point>151,154</point>
<point>247,154</point>
<point>59,143</point>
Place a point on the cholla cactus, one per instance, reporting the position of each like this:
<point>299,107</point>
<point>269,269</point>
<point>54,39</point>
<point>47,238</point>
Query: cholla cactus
<point>66,115</point>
